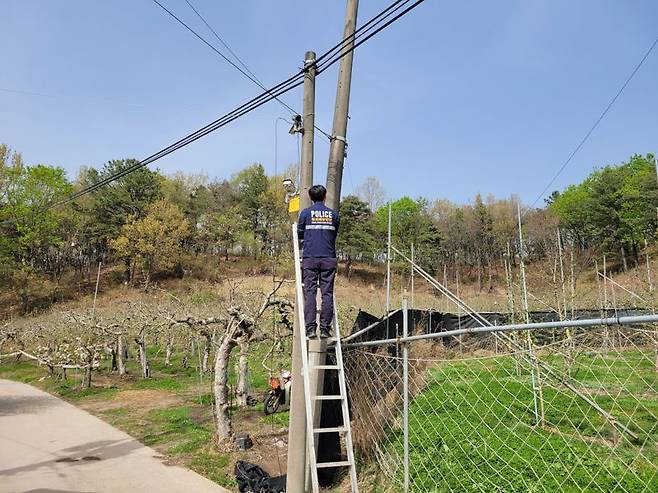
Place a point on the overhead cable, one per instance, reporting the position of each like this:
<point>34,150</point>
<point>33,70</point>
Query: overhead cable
<point>596,123</point>
<point>268,95</point>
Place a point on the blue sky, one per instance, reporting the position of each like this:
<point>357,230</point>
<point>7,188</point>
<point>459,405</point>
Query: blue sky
<point>457,98</point>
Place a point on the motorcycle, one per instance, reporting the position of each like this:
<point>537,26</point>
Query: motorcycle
<point>278,397</point>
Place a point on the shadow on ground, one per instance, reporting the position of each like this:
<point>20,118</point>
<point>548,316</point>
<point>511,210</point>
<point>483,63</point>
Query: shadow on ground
<point>28,404</point>
<point>80,455</point>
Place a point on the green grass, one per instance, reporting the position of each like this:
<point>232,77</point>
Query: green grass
<point>213,466</point>
<point>23,371</point>
<point>72,391</point>
<point>117,412</point>
<point>170,384</point>
<point>279,419</point>
<point>471,429</point>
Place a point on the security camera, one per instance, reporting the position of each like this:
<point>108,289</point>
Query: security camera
<point>297,126</point>
<point>289,186</point>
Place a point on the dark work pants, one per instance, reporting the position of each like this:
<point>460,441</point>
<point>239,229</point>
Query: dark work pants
<point>318,271</point>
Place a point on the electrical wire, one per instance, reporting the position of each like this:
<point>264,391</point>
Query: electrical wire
<point>246,72</point>
<point>362,29</point>
<point>325,65</point>
<point>242,110</point>
<point>221,40</point>
<point>258,101</point>
<point>596,123</point>
<point>268,95</point>
<point>249,75</point>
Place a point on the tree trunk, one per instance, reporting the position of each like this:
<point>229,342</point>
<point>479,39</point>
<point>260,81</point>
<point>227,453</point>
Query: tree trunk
<point>123,355</point>
<point>113,362</point>
<point>223,428</point>
<point>242,371</point>
<point>623,259</point>
<point>206,354</point>
<point>86,382</point>
<point>143,360</point>
<point>490,268</point>
<point>126,352</point>
<point>479,270</point>
<point>169,351</point>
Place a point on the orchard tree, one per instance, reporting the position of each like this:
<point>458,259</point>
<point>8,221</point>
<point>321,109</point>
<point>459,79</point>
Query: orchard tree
<point>237,325</point>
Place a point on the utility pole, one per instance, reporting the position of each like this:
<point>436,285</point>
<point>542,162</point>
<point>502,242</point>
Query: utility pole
<point>297,430</point>
<point>317,349</point>
<point>339,129</point>
<point>308,121</point>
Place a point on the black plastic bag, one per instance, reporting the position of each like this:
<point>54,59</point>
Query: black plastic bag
<point>252,478</point>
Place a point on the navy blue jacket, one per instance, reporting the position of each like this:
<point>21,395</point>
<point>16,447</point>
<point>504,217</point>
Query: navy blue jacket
<point>317,228</point>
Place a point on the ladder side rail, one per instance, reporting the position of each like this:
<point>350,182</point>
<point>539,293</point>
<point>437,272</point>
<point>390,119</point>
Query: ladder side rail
<point>344,403</point>
<point>310,433</point>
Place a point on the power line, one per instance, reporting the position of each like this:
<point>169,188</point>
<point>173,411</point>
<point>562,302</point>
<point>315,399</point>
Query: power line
<point>268,95</point>
<point>596,123</point>
<point>212,47</point>
<point>261,99</point>
<point>221,40</point>
<point>361,31</point>
<point>246,72</point>
<point>365,28</point>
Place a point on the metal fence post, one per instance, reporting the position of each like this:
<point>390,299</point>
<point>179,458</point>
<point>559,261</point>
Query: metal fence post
<point>405,386</point>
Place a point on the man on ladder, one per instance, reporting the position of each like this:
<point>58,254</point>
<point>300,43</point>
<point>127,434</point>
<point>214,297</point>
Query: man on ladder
<point>317,228</point>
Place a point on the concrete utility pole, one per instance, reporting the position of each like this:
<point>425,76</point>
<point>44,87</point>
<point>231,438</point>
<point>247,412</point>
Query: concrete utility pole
<point>297,430</point>
<point>339,129</point>
<point>308,121</point>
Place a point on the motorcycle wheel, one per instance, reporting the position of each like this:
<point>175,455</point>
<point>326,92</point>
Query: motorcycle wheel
<point>271,404</point>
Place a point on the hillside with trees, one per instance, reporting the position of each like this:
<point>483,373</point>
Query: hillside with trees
<point>149,226</point>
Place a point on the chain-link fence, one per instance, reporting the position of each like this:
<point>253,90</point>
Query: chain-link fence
<point>543,410</point>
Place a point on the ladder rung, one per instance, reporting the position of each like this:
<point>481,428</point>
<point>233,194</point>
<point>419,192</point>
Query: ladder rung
<point>338,429</point>
<point>327,397</point>
<point>325,367</point>
<point>334,464</point>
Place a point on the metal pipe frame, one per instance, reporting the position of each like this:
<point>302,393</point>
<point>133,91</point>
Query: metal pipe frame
<point>589,322</point>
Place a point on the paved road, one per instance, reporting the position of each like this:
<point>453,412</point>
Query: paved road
<point>50,446</point>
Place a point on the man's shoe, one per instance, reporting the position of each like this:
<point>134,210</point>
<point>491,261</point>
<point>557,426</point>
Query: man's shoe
<point>310,333</point>
<point>325,333</point>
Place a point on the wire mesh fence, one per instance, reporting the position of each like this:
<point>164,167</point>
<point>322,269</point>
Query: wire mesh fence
<point>556,410</point>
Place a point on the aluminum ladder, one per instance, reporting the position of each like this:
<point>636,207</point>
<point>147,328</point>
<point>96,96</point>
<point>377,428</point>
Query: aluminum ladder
<point>310,399</point>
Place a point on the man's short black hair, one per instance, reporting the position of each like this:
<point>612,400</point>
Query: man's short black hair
<point>317,193</point>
